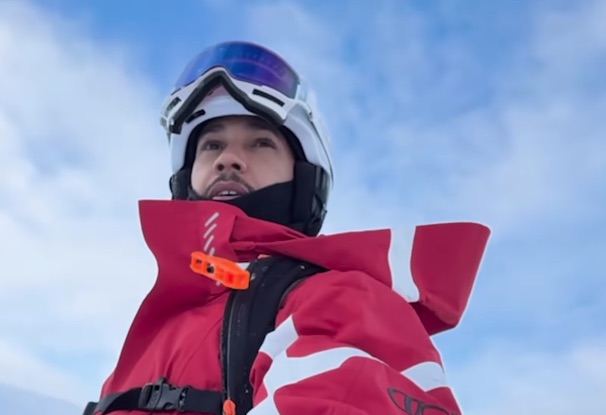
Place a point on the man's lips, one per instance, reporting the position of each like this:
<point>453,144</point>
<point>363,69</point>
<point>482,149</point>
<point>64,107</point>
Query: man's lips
<point>225,190</point>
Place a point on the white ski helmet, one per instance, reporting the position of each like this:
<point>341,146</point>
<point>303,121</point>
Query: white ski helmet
<point>242,78</point>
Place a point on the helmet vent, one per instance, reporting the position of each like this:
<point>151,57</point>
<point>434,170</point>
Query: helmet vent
<point>267,96</point>
<point>172,104</point>
<point>195,115</point>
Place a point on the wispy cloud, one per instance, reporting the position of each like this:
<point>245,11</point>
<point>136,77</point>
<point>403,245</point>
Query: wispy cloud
<point>30,371</point>
<point>507,378</point>
<point>25,402</point>
<point>78,147</point>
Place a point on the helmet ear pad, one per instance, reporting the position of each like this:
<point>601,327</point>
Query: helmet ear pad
<point>310,196</point>
<point>179,184</point>
<point>308,206</point>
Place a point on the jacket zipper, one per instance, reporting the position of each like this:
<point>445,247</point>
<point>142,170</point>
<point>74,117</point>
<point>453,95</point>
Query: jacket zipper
<point>225,341</point>
<point>233,305</point>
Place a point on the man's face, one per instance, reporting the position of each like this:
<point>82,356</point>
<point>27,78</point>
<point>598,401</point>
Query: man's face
<point>239,154</point>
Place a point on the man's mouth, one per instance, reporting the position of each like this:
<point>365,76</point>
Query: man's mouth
<point>227,195</point>
<point>227,191</point>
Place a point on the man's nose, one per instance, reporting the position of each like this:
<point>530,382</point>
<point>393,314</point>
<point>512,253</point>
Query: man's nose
<point>230,159</point>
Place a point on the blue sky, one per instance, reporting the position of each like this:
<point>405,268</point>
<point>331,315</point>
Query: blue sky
<point>482,111</point>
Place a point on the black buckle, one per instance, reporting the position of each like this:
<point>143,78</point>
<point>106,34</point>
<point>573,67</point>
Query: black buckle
<point>162,396</point>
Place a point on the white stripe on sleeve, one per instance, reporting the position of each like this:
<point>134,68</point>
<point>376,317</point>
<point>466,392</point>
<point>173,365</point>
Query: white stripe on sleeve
<point>286,370</point>
<point>399,258</point>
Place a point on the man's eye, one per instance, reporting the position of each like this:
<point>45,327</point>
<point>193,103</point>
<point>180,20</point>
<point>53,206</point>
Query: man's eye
<point>210,146</point>
<point>265,142</point>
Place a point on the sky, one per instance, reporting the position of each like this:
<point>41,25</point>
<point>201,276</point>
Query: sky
<point>439,111</point>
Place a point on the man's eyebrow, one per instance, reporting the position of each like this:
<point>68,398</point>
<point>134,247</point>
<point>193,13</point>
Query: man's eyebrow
<point>258,124</point>
<point>212,127</point>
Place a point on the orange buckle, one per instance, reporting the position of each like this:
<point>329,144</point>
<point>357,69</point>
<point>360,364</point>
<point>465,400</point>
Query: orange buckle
<point>221,270</point>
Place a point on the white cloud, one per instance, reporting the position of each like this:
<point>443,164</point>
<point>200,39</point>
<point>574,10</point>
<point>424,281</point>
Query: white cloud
<point>23,401</point>
<point>548,122</point>
<point>507,378</point>
<point>34,374</point>
<point>79,144</point>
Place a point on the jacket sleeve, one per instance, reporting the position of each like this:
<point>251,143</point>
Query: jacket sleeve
<point>346,344</point>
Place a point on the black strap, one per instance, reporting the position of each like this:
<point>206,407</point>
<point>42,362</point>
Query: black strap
<point>250,316</point>
<point>159,397</point>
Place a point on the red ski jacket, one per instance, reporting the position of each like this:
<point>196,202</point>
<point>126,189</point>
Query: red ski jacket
<point>352,340</point>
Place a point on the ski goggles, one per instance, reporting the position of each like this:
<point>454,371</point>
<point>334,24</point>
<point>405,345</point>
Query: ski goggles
<point>262,81</point>
<point>245,62</point>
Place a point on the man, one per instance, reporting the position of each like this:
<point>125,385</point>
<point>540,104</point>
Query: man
<point>239,256</point>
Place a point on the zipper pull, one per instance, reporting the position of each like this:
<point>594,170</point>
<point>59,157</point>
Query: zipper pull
<point>229,407</point>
